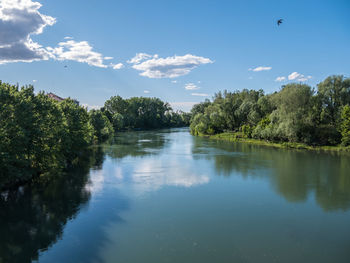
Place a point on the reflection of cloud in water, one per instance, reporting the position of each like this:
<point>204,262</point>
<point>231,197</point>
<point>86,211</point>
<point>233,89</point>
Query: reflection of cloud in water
<point>145,140</point>
<point>118,173</point>
<point>96,182</point>
<point>152,174</point>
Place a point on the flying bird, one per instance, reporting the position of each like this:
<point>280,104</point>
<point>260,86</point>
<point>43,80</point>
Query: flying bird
<point>279,21</point>
<point>65,66</point>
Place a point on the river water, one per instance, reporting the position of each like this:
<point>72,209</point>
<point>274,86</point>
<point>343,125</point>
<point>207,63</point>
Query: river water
<point>166,196</point>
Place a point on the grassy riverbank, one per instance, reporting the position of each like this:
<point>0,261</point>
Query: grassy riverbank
<point>238,137</point>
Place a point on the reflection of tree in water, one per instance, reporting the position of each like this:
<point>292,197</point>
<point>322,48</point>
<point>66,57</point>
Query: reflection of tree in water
<point>32,218</point>
<point>229,157</point>
<point>294,174</point>
<point>333,186</point>
<point>135,144</point>
<point>96,157</point>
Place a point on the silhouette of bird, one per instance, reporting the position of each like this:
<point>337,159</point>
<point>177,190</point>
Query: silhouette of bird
<point>279,21</point>
<point>65,66</point>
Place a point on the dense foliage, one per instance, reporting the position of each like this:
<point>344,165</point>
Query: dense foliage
<point>297,113</point>
<point>39,135</point>
<point>142,113</point>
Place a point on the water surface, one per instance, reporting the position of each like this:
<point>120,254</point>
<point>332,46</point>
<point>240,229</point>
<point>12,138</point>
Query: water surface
<point>166,196</point>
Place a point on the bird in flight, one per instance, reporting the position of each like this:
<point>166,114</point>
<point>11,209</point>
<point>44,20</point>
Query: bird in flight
<point>279,21</point>
<point>65,66</point>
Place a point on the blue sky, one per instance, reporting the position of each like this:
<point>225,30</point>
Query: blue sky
<point>205,46</point>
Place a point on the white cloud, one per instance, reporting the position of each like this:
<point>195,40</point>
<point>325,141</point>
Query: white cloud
<point>91,107</point>
<point>200,94</point>
<point>174,81</point>
<point>280,79</point>
<point>184,106</point>
<point>77,51</point>
<point>261,68</point>
<point>299,77</point>
<point>117,66</point>
<point>191,86</point>
<point>146,91</point>
<point>293,75</point>
<point>34,80</point>
<point>170,67</point>
<point>19,20</point>
<point>140,57</point>
<point>304,78</point>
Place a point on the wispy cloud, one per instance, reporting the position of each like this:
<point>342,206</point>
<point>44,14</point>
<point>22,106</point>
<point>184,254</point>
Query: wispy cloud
<point>182,105</point>
<point>117,66</point>
<point>146,91</point>
<point>294,75</point>
<point>299,77</point>
<point>91,107</point>
<point>261,68</point>
<point>280,79</point>
<point>200,94</point>
<point>169,67</point>
<point>140,57</point>
<point>304,78</point>
<point>191,86</point>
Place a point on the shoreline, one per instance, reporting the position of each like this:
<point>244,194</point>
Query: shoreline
<point>232,137</point>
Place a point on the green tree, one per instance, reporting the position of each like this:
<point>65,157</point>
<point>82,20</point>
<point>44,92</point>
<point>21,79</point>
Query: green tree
<point>294,114</point>
<point>118,121</point>
<point>345,125</point>
<point>103,129</point>
<point>78,130</point>
<point>334,93</point>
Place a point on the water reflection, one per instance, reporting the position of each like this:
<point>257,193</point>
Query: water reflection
<point>153,174</point>
<point>293,174</point>
<point>148,161</point>
<point>76,217</point>
<point>136,144</point>
<point>33,218</point>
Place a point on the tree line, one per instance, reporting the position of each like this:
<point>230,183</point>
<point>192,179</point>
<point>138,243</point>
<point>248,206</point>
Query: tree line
<point>296,113</point>
<point>142,113</point>
<point>40,136</point>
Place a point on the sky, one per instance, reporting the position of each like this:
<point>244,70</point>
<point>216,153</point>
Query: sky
<point>180,51</point>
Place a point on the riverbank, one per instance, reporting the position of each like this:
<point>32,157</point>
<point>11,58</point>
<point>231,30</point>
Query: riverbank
<point>237,137</point>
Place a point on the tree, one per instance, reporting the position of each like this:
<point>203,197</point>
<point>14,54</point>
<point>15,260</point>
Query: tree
<point>295,114</point>
<point>334,93</point>
<point>345,125</point>
<point>103,129</point>
<point>142,113</point>
<point>78,130</point>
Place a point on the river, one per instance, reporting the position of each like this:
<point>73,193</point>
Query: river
<point>166,196</point>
